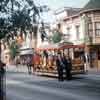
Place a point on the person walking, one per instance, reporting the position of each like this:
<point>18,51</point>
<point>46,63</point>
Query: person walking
<point>29,64</point>
<point>59,64</point>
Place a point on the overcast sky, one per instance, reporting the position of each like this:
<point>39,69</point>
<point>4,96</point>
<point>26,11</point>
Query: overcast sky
<point>55,4</point>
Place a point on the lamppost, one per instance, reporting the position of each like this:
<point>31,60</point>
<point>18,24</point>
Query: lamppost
<point>87,40</point>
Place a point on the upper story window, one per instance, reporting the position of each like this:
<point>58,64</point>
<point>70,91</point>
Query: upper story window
<point>90,29</point>
<point>97,27</point>
<point>68,33</point>
<point>90,26</point>
<point>77,31</point>
<point>68,30</point>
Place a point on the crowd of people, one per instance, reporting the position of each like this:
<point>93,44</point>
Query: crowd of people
<point>64,63</point>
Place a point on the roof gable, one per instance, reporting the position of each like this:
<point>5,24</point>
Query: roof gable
<point>92,5</point>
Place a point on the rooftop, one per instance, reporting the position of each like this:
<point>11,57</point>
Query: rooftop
<point>67,9</point>
<point>92,5</point>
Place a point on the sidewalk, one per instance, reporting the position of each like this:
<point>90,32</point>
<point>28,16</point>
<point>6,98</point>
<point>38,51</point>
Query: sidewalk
<point>14,68</point>
<point>23,69</point>
<point>94,71</point>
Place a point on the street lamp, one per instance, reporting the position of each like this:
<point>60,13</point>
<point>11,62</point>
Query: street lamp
<point>87,21</point>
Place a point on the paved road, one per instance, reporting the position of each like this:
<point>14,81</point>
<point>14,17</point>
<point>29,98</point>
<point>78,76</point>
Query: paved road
<point>21,86</point>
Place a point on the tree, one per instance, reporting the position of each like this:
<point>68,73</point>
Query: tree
<point>6,27</point>
<point>57,37</point>
<point>36,10</point>
<point>14,49</point>
<point>20,17</point>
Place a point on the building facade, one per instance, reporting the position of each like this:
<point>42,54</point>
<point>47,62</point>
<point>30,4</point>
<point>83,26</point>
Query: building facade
<point>83,28</point>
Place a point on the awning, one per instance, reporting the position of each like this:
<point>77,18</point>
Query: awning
<point>48,47</point>
<point>27,52</point>
<point>58,46</point>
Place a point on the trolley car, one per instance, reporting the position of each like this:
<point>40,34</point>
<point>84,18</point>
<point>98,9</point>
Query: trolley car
<point>45,58</point>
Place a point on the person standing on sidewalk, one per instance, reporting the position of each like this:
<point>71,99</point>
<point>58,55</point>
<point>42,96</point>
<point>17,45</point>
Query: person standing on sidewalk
<point>59,64</point>
<point>2,73</point>
<point>29,64</point>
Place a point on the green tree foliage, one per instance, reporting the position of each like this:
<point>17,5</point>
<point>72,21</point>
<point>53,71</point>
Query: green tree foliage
<point>3,30</point>
<point>6,11</point>
<point>14,49</point>
<point>20,15</point>
<point>56,37</point>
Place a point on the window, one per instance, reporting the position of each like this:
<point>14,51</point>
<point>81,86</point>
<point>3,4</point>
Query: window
<point>90,29</point>
<point>68,30</point>
<point>77,31</point>
<point>90,26</point>
<point>97,27</point>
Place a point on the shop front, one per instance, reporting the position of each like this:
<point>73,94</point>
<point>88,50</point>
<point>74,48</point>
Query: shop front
<point>94,53</point>
<point>24,54</point>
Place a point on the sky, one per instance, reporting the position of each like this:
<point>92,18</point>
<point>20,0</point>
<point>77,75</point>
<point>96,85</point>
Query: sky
<point>56,4</point>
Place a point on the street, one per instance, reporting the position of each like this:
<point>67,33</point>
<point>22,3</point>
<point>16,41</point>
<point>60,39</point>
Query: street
<point>21,86</point>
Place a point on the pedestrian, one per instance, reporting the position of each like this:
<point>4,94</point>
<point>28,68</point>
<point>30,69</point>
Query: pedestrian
<point>29,64</point>
<point>2,73</point>
<point>17,62</point>
<point>36,61</point>
<point>68,66</point>
<point>60,66</point>
<point>86,62</point>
